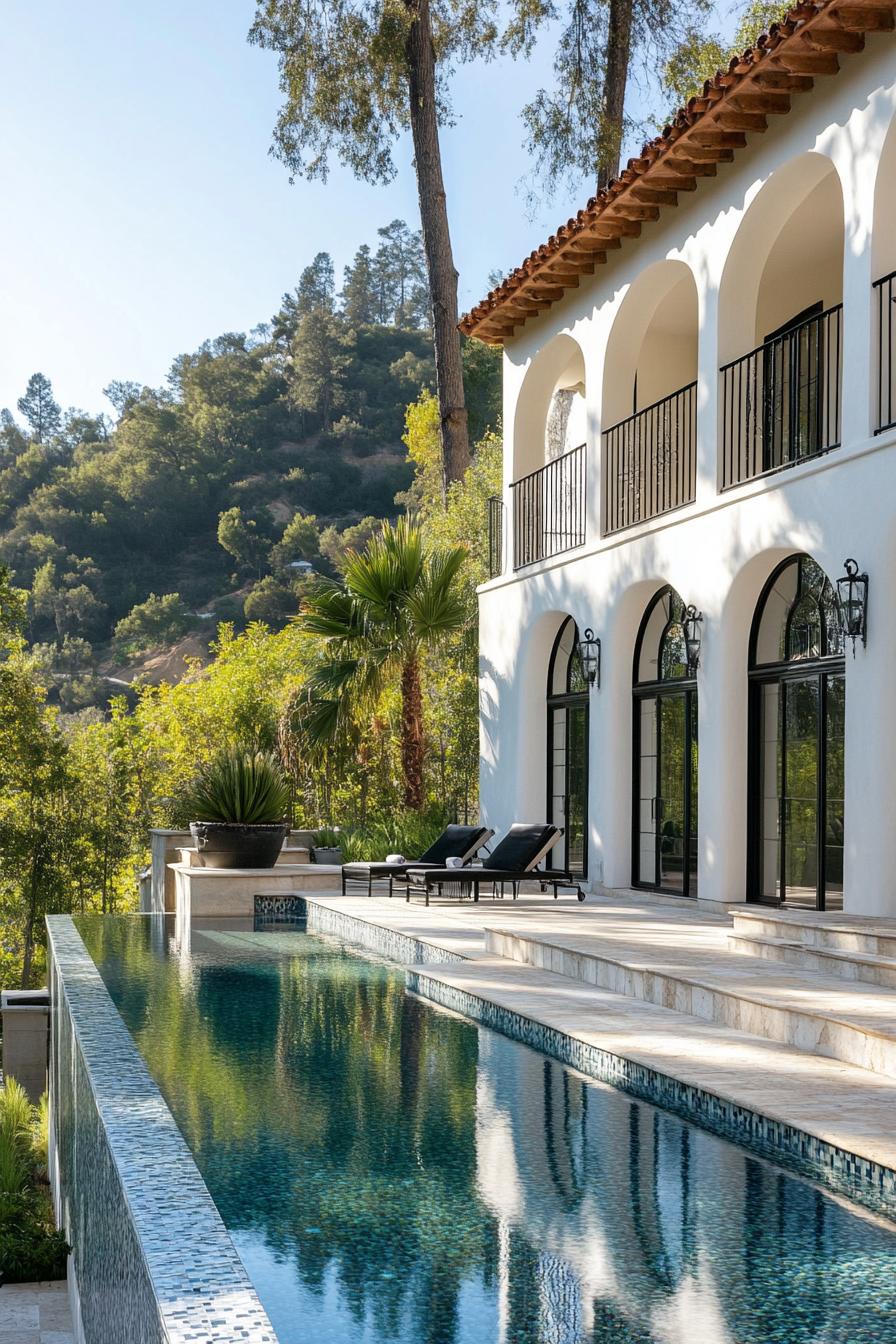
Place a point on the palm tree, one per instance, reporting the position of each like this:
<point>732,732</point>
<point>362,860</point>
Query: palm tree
<point>397,599</point>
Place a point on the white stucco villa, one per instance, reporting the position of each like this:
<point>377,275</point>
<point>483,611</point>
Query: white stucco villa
<point>700,430</point>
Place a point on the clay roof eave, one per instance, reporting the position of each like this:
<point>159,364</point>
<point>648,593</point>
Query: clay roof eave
<point>808,42</point>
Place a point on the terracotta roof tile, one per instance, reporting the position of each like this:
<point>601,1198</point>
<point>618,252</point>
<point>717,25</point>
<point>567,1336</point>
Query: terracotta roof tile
<point>708,130</point>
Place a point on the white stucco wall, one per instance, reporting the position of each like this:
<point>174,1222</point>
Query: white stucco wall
<point>800,215</point>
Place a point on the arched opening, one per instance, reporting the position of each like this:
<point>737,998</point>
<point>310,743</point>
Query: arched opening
<point>650,398</point>
<point>549,436</point>
<point>550,418</point>
<point>797,716</point>
<point>780,332</point>
<point>665,751</point>
<point>567,751</point>
<point>884,267</point>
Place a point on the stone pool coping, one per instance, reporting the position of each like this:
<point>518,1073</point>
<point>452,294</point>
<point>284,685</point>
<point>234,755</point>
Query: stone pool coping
<point>829,1121</point>
<point>201,1289</point>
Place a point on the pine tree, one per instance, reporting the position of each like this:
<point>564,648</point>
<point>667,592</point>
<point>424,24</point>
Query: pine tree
<point>359,300</point>
<point>42,412</point>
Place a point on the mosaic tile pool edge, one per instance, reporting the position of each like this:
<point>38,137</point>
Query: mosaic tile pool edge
<point>843,1173</point>
<point>400,947</point>
<point>154,1263</point>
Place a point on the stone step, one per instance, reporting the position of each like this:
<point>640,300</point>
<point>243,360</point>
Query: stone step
<point>814,928</point>
<point>862,966</point>
<point>294,854</point>
<point>289,854</point>
<point>798,1007</point>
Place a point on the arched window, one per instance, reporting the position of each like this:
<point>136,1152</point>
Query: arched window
<point>567,764</point>
<point>797,716</point>
<point>665,752</point>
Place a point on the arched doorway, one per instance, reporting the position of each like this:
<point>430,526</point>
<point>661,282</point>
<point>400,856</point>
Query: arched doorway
<point>797,712</point>
<point>567,763</point>
<point>665,752</point>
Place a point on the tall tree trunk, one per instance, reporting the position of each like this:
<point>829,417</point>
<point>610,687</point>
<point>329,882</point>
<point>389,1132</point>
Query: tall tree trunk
<point>619,51</point>
<point>30,915</point>
<point>440,269</point>
<point>412,733</point>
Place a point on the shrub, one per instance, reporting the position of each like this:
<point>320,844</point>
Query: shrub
<point>240,786</point>
<point>40,1137</point>
<point>16,1157</point>
<point>408,833</point>
<point>31,1248</point>
<point>327,838</point>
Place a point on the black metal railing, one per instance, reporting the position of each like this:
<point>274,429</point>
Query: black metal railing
<point>781,402</point>
<point>650,460</point>
<point>495,536</point>
<point>885,294</point>
<point>549,509</point>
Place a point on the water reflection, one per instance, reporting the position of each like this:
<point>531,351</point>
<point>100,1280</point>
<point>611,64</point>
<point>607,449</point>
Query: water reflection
<point>391,1172</point>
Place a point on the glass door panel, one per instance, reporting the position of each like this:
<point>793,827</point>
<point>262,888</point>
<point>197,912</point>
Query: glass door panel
<point>835,710</point>
<point>576,785</point>
<point>692,797</point>
<point>671,803</point>
<point>800,803</point>
<point>568,782</point>
<point>770,763</point>
<point>557,766</point>
<point>647,791</point>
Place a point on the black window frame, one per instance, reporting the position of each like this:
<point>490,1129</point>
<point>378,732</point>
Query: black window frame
<point>658,688</point>
<point>576,699</point>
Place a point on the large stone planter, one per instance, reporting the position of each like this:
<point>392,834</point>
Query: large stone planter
<point>223,844</point>
<point>326,854</point>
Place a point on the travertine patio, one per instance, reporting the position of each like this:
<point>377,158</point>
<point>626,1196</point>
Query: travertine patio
<point>35,1313</point>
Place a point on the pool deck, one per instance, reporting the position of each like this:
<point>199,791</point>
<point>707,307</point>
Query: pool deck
<point>662,959</point>
<point>35,1313</point>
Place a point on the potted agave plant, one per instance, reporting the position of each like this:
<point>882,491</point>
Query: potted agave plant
<point>239,801</point>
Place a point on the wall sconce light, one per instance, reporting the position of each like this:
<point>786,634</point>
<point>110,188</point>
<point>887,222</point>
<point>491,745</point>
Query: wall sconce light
<point>589,657</point>
<point>693,638</point>
<point>852,594</point>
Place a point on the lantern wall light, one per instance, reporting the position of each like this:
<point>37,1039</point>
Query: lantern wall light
<point>589,657</point>
<point>693,638</point>
<point>852,594</point>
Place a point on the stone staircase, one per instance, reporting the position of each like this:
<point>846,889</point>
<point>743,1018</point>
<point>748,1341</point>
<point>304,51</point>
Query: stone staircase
<point>854,948</point>
<point>822,984</point>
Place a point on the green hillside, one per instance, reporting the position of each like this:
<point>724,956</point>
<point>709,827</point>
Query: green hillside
<point>209,497</point>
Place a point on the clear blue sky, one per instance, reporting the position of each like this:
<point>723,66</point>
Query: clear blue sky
<point>143,214</point>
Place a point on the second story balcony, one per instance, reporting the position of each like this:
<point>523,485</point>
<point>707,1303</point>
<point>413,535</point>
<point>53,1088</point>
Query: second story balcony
<point>781,402</point>
<point>549,509</point>
<point>650,461</point>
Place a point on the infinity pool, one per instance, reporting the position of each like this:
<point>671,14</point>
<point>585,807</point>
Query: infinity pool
<point>395,1174</point>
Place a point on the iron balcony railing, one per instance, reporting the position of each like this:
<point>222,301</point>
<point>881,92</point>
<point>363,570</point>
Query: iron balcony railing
<point>885,294</point>
<point>650,460</point>
<point>549,509</point>
<point>781,402</point>
<point>495,536</point>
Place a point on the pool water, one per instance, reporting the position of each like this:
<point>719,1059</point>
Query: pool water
<point>390,1172</point>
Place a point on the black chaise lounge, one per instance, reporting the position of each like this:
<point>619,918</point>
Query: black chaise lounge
<point>455,842</point>
<point>511,862</point>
